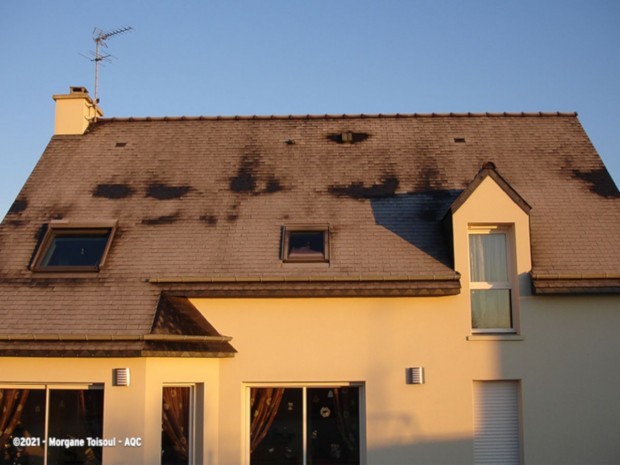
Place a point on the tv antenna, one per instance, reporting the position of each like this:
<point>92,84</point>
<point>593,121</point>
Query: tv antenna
<point>100,37</point>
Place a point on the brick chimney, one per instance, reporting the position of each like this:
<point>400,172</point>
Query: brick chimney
<point>74,111</point>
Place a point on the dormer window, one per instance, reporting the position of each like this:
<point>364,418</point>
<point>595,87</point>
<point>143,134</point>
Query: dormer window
<point>491,280</point>
<point>73,247</point>
<point>305,244</point>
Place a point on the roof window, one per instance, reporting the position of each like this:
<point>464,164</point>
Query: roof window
<point>305,244</point>
<point>73,247</point>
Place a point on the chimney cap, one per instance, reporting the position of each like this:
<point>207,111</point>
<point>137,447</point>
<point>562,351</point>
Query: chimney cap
<point>78,90</point>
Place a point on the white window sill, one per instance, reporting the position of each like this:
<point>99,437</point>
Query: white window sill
<point>495,337</point>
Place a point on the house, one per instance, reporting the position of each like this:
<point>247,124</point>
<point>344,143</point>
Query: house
<point>337,289</point>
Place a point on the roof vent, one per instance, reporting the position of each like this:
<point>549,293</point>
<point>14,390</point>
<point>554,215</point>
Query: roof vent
<point>348,137</point>
<point>78,90</point>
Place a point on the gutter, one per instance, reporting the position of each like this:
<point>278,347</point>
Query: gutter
<point>302,279</point>
<point>559,276</point>
<point>112,338</point>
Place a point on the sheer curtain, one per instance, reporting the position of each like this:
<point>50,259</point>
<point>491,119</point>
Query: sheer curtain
<point>490,286</point>
<point>487,258</point>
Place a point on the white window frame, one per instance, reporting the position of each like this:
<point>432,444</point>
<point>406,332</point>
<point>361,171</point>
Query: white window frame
<point>191,447</point>
<point>304,386</point>
<point>512,284</point>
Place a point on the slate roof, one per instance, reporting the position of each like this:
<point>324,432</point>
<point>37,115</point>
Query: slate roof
<point>201,203</point>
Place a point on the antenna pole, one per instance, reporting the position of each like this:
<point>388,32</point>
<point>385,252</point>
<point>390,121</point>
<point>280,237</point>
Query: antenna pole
<point>100,37</point>
<point>97,60</point>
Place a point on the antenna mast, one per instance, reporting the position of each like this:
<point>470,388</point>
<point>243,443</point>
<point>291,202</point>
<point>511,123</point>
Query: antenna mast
<point>100,37</point>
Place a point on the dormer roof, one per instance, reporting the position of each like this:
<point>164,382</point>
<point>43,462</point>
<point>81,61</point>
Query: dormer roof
<point>489,170</point>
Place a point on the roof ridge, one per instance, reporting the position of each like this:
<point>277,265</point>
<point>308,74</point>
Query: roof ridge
<point>337,116</point>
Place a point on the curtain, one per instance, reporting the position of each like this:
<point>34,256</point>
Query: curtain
<point>491,309</point>
<point>264,403</point>
<point>487,258</point>
<point>175,418</point>
<point>12,403</point>
<point>344,418</point>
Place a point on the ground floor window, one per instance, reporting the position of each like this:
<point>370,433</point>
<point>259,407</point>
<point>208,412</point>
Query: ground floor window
<point>177,425</point>
<point>305,425</point>
<point>37,422</point>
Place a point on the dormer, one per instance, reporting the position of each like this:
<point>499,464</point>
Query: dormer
<point>491,241</point>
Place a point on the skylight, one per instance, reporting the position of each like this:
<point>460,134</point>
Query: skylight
<point>67,247</point>
<point>306,244</point>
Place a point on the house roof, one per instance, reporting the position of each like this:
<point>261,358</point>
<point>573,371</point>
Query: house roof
<point>201,203</point>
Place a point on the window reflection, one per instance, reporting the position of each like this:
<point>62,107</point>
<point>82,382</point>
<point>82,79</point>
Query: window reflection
<point>330,420</point>
<point>69,414</point>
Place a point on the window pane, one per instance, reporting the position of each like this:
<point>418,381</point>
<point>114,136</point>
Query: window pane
<point>75,414</point>
<point>175,438</point>
<point>490,309</point>
<point>22,414</point>
<point>310,244</point>
<point>487,258</point>
<point>333,425</point>
<point>75,250</point>
<point>276,428</point>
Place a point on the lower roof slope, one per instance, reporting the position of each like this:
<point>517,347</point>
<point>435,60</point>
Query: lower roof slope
<point>201,203</point>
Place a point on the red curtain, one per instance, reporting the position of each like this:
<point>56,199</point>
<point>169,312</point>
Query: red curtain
<point>175,418</point>
<point>12,403</point>
<point>264,403</point>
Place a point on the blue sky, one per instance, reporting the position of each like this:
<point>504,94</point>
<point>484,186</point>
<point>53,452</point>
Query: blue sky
<point>245,57</point>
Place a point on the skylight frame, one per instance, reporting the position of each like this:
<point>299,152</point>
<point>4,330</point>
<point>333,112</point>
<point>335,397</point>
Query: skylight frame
<point>289,230</point>
<point>60,228</point>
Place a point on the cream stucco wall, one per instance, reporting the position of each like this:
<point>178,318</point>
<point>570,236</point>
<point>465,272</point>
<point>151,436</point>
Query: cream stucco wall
<point>564,361</point>
<point>74,112</point>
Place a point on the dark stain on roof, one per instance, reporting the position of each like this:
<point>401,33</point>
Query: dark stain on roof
<point>16,223</point>
<point>245,180</point>
<point>232,217</point>
<point>165,219</point>
<point>18,206</point>
<point>348,137</point>
<point>429,179</point>
<point>113,191</point>
<point>600,182</point>
<point>161,191</point>
<point>273,186</point>
<point>211,220</point>
<point>386,187</point>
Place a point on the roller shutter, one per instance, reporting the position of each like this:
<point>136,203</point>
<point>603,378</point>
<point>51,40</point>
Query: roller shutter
<point>497,437</point>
